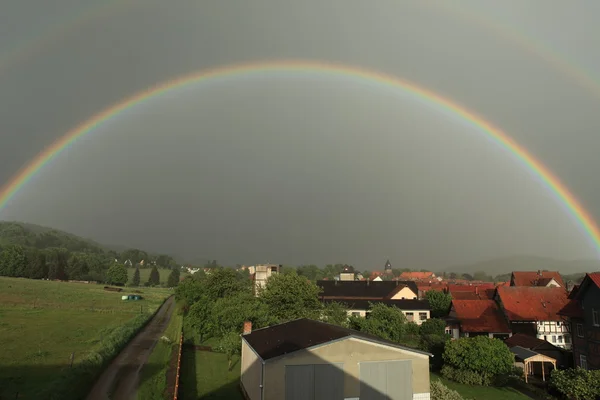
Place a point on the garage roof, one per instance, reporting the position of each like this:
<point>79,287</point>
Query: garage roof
<point>301,334</point>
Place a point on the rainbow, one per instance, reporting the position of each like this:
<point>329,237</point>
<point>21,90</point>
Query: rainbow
<point>575,209</point>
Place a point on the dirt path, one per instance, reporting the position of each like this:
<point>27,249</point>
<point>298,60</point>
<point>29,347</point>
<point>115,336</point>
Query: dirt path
<point>120,380</point>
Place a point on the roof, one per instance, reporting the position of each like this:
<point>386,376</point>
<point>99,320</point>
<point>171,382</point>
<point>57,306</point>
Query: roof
<point>535,278</point>
<point>363,289</point>
<point>532,303</point>
<point>595,277</point>
<point>405,305</point>
<point>470,288</point>
<point>301,334</point>
<point>522,354</point>
<point>480,316</point>
<point>572,309</point>
<point>526,341</point>
<point>484,294</point>
<point>416,275</point>
<point>348,269</point>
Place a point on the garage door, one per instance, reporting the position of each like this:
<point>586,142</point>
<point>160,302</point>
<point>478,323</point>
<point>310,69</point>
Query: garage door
<point>386,380</point>
<point>314,382</point>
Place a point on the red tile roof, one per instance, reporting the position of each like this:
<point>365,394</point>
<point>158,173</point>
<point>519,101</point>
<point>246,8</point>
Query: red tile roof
<point>480,316</point>
<point>531,303</point>
<point>417,275</point>
<point>595,277</point>
<point>572,309</point>
<point>535,278</point>
<point>483,294</point>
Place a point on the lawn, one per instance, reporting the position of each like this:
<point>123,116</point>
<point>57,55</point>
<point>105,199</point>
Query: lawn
<point>145,274</point>
<point>42,323</point>
<point>153,378</point>
<point>204,375</point>
<point>482,392</point>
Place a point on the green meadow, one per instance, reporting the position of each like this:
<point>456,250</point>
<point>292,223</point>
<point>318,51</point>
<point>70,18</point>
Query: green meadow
<point>46,326</point>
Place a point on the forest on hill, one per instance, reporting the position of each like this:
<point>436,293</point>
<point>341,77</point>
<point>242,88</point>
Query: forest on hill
<point>32,251</point>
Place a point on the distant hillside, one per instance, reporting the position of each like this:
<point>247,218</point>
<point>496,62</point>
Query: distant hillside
<point>526,263</point>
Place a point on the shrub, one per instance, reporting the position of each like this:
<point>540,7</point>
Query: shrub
<point>576,384</point>
<point>482,355</point>
<point>466,376</point>
<point>434,344</point>
<point>439,391</point>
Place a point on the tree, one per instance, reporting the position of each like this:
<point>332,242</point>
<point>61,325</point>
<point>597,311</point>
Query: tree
<point>36,264</point>
<point>223,282</point>
<point>577,384</point>
<point>291,296</point>
<point>387,322</point>
<point>335,313</point>
<point>199,317</point>
<point>476,360</point>
<point>231,345</point>
<point>433,326</point>
<point>135,281</point>
<point>190,290</point>
<point>439,302</point>
<point>154,278</point>
<point>117,275</point>
<point>77,266</point>
<point>173,279</point>
<point>229,313</point>
<point>13,261</point>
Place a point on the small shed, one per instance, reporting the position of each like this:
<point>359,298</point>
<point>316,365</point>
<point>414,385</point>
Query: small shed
<point>526,358</point>
<point>306,359</point>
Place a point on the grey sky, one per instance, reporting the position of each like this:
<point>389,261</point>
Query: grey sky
<point>295,168</point>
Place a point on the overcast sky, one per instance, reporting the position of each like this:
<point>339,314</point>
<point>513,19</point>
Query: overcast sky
<point>299,168</point>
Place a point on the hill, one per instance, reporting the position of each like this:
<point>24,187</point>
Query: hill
<point>506,265</point>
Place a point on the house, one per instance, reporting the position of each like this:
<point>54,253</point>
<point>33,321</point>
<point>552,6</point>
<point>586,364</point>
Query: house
<point>539,346</point>
<point>262,273</point>
<point>417,276</point>
<point>477,317</point>
<point>583,313</point>
<point>306,359</point>
<point>534,311</point>
<point>368,290</point>
<point>415,311</point>
<point>347,273</point>
<point>539,278</point>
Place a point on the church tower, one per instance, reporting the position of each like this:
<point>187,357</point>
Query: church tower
<point>388,267</point>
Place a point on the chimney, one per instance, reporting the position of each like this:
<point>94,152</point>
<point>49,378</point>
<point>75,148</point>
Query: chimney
<point>539,272</point>
<point>247,328</point>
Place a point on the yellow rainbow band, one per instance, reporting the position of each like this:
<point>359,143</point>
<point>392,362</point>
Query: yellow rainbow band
<point>565,196</point>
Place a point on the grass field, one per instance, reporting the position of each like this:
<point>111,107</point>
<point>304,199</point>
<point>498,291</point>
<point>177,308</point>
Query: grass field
<point>145,274</point>
<point>42,323</point>
<point>482,392</point>
<point>204,375</point>
<point>153,379</point>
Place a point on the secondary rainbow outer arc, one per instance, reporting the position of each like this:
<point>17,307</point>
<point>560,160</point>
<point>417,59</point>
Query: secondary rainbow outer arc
<point>552,182</point>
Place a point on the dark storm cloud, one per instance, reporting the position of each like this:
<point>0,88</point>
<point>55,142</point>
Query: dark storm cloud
<point>295,170</point>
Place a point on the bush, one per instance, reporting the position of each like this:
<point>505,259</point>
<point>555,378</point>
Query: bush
<point>466,377</point>
<point>439,391</point>
<point>482,355</point>
<point>434,344</point>
<point>576,384</point>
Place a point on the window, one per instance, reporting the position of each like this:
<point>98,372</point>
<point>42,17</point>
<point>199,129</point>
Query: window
<point>580,330</point>
<point>567,339</point>
<point>553,338</point>
<point>560,339</point>
<point>448,331</point>
<point>558,324</point>
<point>422,316</point>
<point>595,318</point>
<point>583,362</point>
<point>545,338</point>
